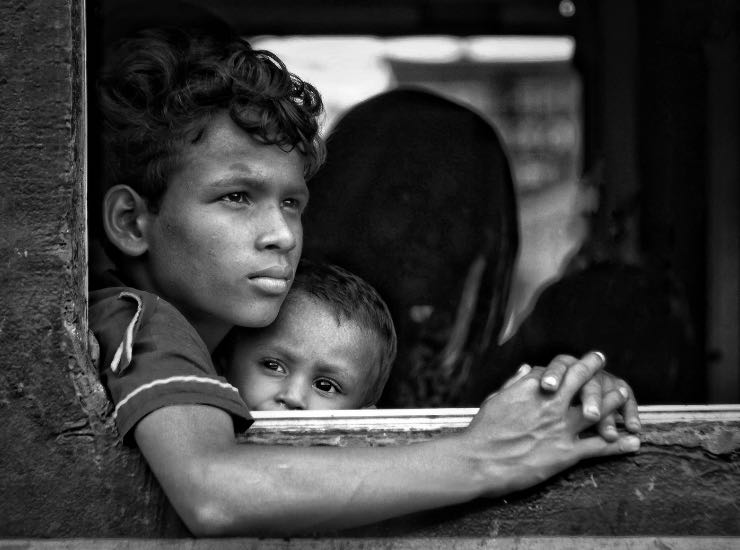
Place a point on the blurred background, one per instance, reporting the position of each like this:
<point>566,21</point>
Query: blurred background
<point>620,120</point>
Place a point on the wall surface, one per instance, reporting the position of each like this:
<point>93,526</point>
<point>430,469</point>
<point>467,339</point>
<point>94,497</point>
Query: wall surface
<point>62,471</point>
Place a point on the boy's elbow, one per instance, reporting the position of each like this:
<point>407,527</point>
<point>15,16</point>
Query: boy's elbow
<point>208,519</point>
<point>211,510</point>
<point>202,505</point>
<point>213,520</point>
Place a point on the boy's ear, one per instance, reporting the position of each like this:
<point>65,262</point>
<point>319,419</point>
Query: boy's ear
<point>125,215</point>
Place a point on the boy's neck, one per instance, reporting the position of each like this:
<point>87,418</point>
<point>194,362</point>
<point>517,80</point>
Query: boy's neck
<point>211,332</point>
<point>210,329</point>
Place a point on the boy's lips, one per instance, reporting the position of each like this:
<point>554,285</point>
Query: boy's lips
<point>273,280</point>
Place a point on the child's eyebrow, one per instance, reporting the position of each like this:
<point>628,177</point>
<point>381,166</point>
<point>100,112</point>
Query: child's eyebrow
<point>341,373</point>
<point>282,351</point>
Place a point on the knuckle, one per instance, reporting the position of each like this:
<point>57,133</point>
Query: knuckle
<point>563,359</point>
<point>581,371</point>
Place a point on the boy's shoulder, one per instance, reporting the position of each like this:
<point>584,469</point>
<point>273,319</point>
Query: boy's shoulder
<point>120,314</point>
<point>151,356</point>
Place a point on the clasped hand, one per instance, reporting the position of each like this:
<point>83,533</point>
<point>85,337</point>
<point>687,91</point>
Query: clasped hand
<point>535,426</point>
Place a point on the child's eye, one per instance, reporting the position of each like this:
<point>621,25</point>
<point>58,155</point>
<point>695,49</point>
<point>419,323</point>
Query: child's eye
<point>239,197</point>
<point>326,385</point>
<point>272,365</point>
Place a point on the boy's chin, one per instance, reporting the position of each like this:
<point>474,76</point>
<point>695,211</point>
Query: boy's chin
<point>257,319</point>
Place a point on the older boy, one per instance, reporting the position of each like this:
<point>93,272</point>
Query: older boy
<point>331,347</point>
<point>207,145</point>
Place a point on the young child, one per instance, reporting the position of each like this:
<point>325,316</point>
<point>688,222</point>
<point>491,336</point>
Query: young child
<point>331,347</point>
<point>206,148</point>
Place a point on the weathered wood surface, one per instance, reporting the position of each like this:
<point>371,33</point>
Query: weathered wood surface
<point>685,480</point>
<point>62,469</point>
<point>417,543</point>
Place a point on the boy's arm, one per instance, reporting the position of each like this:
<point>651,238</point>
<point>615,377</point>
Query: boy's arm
<point>520,437</point>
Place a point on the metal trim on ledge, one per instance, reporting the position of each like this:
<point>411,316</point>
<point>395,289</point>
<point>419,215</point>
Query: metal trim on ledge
<point>442,419</point>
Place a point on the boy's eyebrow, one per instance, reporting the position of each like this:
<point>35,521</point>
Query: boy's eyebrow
<point>255,182</point>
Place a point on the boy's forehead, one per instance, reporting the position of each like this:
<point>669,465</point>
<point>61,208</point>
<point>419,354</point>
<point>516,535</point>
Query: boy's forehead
<point>218,153</point>
<point>218,137</point>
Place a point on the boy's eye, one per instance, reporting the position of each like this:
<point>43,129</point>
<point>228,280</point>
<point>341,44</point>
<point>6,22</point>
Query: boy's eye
<point>293,204</point>
<point>239,197</point>
<point>272,365</point>
<point>326,385</point>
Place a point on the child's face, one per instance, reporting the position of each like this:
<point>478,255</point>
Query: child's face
<point>305,360</point>
<point>227,238</point>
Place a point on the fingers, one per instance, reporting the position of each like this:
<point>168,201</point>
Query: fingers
<point>555,372</point>
<point>581,372</point>
<point>594,385</point>
<point>607,427</point>
<point>630,412</point>
<point>590,447</point>
<point>591,399</point>
<point>611,402</point>
<point>609,442</point>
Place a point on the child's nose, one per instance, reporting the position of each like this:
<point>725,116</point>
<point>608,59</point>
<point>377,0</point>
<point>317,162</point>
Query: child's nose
<point>277,231</point>
<point>291,396</point>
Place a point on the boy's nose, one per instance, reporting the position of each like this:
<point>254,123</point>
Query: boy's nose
<point>277,232</point>
<point>291,396</point>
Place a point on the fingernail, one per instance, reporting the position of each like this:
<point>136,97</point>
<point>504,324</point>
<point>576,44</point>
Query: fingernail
<point>623,392</point>
<point>592,411</point>
<point>524,368</point>
<point>631,444</point>
<point>601,356</point>
<point>550,381</point>
<point>611,429</point>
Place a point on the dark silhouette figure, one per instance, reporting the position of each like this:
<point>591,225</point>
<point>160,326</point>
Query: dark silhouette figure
<point>417,198</point>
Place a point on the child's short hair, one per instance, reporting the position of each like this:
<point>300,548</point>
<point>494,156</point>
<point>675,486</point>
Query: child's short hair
<point>159,88</point>
<point>351,298</point>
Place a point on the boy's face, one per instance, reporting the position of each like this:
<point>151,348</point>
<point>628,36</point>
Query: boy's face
<point>305,360</point>
<point>226,241</point>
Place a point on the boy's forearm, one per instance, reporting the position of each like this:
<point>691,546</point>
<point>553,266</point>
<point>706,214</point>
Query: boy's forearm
<point>220,487</point>
<point>297,490</point>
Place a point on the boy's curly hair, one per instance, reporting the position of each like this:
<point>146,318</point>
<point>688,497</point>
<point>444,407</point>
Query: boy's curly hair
<point>159,88</point>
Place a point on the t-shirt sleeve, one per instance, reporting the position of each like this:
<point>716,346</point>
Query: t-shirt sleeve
<point>152,357</point>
